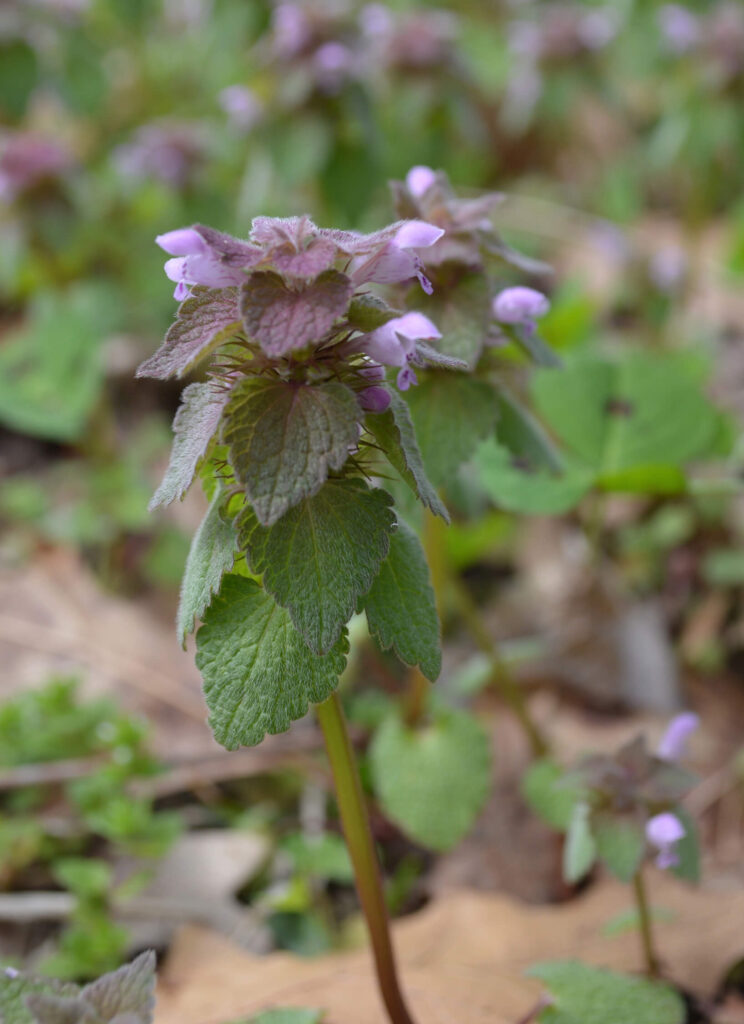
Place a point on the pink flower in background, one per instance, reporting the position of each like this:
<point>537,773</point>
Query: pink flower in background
<point>334,64</point>
<point>520,305</point>
<point>27,160</point>
<point>419,179</point>
<point>242,106</point>
<point>680,28</point>
<point>664,831</point>
<point>674,741</point>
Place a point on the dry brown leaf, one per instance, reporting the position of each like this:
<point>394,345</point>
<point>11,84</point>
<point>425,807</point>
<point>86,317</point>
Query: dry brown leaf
<point>463,958</point>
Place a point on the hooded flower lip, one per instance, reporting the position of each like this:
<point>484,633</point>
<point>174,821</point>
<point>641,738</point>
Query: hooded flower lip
<point>419,179</point>
<point>394,344</point>
<point>674,741</point>
<point>520,305</point>
<point>664,831</point>
<point>203,256</point>
<point>397,260</point>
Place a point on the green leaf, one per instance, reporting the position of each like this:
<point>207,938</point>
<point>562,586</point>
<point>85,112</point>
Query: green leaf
<point>19,75</point>
<point>724,567</point>
<point>621,842</point>
<point>687,849</point>
<point>367,312</point>
<point>550,793</point>
<point>212,554</point>
<point>393,431</point>
<point>194,427</point>
<point>128,991</point>
<point>51,372</point>
<point>642,410</point>
<point>259,675</point>
<point>523,435</point>
<point>322,555</point>
<point>283,319</point>
<point>16,988</point>
<point>208,317</point>
<point>451,414</point>
<point>648,479</point>
<point>284,438</point>
<point>401,608</point>
<point>323,856</point>
<point>580,850</point>
<point>515,485</point>
<point>591,995</point>
<point>432,782</point>
<point>291,1015</point>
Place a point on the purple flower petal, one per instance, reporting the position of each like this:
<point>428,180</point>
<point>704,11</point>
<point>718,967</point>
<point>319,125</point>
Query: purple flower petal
<point>663,831</point>
<point>374,399</point>
<point>419,179</point>
<point>406,378</point>
<point>417,234</point>
<point>519,305</point>
<point>182,242</point>
<point>674,741</point>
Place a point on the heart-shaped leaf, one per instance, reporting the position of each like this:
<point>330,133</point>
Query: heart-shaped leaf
<point>516,485</point>
<point>433,781</point>
<point>322,555</point>
<point>283,439</point>
<point>282,319</point>
<point>259,674</point>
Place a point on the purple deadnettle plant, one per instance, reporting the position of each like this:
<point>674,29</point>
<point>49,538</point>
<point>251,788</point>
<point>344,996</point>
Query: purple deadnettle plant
<point>287,432</point>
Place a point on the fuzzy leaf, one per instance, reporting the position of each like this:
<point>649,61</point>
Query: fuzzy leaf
<point>212,554</point>
<point>620,844</point>
<point>641,410</point>
<point>517,486</point>
<point>393,431</point>
<point>259,675</point>
<point>401,609</point>
<point>128,991</point>
<point>205,319</point>
<point>433,781</point>
<point>284,438</point>
<point>451,414</point>
<point>322,555</point>
<point>283,319</point>
<point>48,1008</point>
<point>194,427</point>
<point>16,989</point>
<point>367,312</point>
<point>588,995</point>
<point>434,357</point>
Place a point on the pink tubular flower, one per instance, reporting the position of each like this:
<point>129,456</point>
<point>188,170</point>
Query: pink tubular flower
<point>394,344</point>
<point>203,256</point>
<point>397,260</point>
<point>664,831</point>
<point>242,106</point>
<point>674,740</point>
<point>520,305</point>
<point>419,179</point>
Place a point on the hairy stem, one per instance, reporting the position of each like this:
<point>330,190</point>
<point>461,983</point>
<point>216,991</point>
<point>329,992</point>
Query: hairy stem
<point>362,851</point>
<point>644,918</point>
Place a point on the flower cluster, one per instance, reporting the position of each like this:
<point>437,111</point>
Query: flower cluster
<point>28,160</point>
<point>716,35</point>
<point>296,297</point>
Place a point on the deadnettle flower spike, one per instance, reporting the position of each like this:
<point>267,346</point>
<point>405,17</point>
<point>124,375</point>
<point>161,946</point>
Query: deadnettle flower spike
<point>206,257</point>
<point>674,741</point>
<point>664,831</point>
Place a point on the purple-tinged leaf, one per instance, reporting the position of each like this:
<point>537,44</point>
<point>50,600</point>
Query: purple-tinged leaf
<point>202,322</point>
<point>128,992</point>
<point>194,426</point>
<point>277,231</point>
<point>317,256</point>
<point>233,252</point>
<point>283,439</point>
<point>282,319</point>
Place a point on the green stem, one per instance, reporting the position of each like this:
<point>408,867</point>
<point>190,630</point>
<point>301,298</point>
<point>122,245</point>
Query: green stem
<point>510,690</point>
<point>644,918</point>
<point>362,851</point>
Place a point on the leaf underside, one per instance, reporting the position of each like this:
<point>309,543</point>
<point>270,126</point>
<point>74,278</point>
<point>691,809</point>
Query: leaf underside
<point>259,674</point>
<point>283,439</point>
<point>211,555</point>
<point>400,606</point>
<point>322,555</point>
<point>194,427</point>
